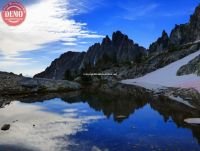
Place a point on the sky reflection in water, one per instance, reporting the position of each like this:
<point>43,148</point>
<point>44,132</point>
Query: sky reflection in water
<point>95,123</point>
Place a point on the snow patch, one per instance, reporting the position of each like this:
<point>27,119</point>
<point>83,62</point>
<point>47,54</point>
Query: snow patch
<point>149,86</point>
<point>166,77</point>
<point>192,120</point>
<point>180,100</point>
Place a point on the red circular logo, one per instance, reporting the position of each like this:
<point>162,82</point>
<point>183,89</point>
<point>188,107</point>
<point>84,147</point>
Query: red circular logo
<point>13,13</point>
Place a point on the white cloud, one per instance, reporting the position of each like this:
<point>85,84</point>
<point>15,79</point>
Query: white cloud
<point>17,65</point>
<point>69,44</point>
<point>134,11</point>
<point>46,22</point>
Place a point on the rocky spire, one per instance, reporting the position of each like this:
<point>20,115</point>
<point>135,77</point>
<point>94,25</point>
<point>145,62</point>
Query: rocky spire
<point>106,40</point>
<point>161,44</point>
<point>119,49</point>
<point>196,16</point>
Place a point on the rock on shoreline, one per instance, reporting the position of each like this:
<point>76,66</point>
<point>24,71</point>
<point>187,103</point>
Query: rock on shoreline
<point>15,84</point>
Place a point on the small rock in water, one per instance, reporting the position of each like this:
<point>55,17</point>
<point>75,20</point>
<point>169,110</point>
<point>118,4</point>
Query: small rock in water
<point>121,116</point>
<point>5,127</point>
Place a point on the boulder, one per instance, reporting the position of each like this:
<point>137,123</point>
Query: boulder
<point>14,84</point>
<point>5,127</point>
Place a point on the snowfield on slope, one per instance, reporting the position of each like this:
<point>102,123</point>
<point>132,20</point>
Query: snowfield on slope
<point>166,77</point>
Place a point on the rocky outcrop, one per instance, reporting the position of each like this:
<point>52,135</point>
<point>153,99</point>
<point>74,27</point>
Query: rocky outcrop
<point>150,64</point>
<point>181,36</point>
<point>69,61</point>
<point>14,84</point>
<point>118,50</point>
<point>184,39</point>
<point>162,44</point>
<point>5,127</point>
<point>187,33</point>
<point>193,67</point>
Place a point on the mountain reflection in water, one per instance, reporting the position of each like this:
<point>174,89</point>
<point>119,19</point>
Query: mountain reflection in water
<point>133,117</point>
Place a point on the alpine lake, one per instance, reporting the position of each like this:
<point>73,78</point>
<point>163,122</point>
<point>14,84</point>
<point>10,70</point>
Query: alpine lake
<point>117,118</point>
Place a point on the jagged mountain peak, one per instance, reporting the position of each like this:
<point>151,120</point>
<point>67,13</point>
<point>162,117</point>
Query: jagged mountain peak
<point>118,37</point>
<point>164,34</point>
<point>181,35</point>
<point>117,34</point>
<point>120,49</point>
<point>161,44</point>
<point>106,40</point>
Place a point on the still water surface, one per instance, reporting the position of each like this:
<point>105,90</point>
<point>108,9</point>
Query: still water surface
<point>91,122</point>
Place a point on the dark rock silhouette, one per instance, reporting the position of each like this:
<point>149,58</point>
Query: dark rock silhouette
<point>67,61</point>
<point>162,44</point>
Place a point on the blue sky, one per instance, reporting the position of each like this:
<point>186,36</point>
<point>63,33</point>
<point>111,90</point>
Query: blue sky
<point>53,27</point>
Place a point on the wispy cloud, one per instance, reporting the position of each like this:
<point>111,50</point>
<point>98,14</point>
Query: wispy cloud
<point>133,12</point>
<point>70,44</point>
<point>175,13</point>
<point>85,6</point>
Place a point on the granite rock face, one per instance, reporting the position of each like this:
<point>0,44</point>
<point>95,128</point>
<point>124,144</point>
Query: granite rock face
<point>14,84</point>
